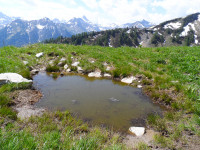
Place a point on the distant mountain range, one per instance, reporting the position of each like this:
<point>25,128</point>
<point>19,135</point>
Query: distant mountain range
<point>179,31</point>
<point>18,32</point>
<point>5,20</point>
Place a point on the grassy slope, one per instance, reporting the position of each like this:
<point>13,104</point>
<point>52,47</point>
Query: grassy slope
<point>172,78</point>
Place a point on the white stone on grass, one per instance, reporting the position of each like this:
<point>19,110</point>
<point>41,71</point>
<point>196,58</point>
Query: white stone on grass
<point>94,74</point>
<point>25,62</point>
<point>62,59</point>
<point>12,77</point>
<point>75,64</point>
<point>68,70</point>
<point>65,66</point>
<point>138,131</point>
<point>79,69</point>
<point>128,80</point>
<point>38,55</point>
<point>139,86</point>
<point>105,64</point>
<point>107,75</point>
<point>108,68</point>
<point>51,62</point>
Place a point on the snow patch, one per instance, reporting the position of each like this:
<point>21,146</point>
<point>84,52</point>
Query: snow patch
<point>173,25</point>
<point>110,43</point>
<point>40,27</point>
<point>187,29</point>
<point>129,31</point>
<point>195,39</point>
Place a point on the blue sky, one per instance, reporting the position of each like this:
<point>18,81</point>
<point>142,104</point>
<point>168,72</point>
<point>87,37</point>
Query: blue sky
<point>101,11</point>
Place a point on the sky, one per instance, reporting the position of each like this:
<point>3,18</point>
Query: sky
<point>102,12</point>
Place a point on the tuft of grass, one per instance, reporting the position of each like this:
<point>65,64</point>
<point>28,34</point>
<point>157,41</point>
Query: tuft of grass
<point>8,112</point>
<point>4,100</point>
<point>148,74</point>
<point>17,140</point>
<point>116,73</point>
<point>164,141</point>
<point>52,68</point>
<point>157,123</point>
<point>5,110</point>
<point>15,86</point>
<point>142,146</point>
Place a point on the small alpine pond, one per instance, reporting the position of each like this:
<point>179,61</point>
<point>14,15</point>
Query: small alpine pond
<point>99,101</point>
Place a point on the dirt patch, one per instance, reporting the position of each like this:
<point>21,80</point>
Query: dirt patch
<point>24,100</point>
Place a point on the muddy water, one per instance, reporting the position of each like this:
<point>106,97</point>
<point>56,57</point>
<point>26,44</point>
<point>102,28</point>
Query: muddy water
<point>101,101</point>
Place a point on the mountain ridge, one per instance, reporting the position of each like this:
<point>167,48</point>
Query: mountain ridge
<point>175,32</point>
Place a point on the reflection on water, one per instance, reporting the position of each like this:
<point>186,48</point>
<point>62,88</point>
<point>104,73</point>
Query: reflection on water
<point>101,101</point>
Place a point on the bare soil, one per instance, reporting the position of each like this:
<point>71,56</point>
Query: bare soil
<point>24,100</point>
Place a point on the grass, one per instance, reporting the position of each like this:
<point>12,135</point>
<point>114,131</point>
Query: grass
<point>58,130</point>
<point>170,76</point>
<point>5,110</point>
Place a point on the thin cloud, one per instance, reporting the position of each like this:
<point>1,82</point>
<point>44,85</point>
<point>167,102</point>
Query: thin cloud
<point>101,11</point>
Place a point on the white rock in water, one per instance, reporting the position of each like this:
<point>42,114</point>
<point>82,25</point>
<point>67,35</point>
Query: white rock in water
<point>128,80</point>
<point>38,55</point>
<point>107,75</point>
<point>139,86</point>
<point>25,62</point>
<point>94,74</point>
<point>12,77</point>
<point>138,131</point>
<point>65,66</point>
<point>75,64</point>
